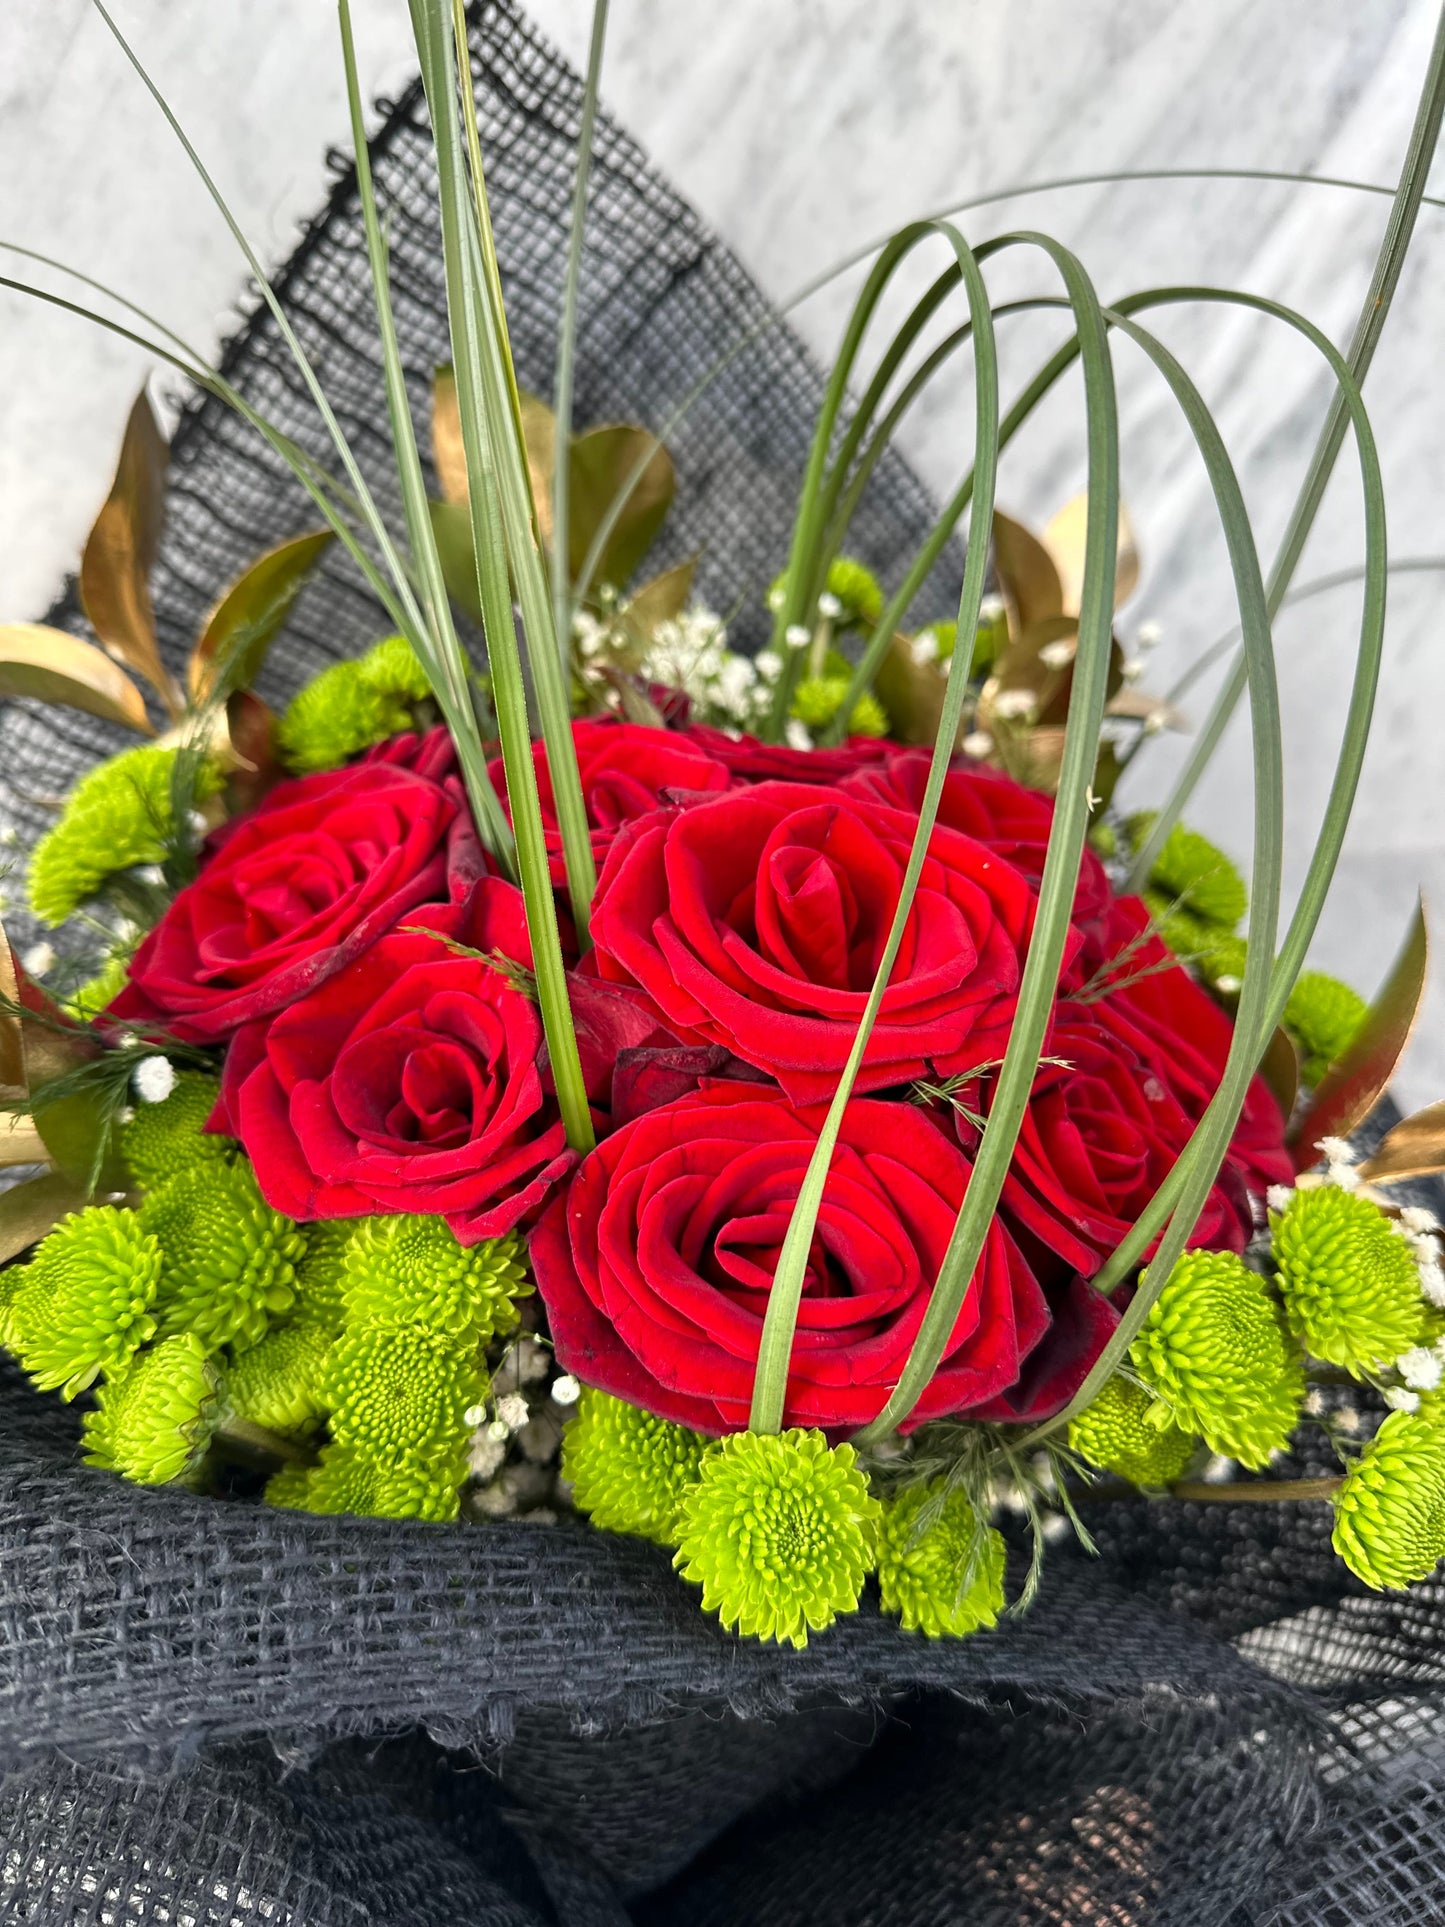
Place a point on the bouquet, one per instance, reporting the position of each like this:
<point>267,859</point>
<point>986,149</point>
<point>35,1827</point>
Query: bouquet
<point>777,1105</point>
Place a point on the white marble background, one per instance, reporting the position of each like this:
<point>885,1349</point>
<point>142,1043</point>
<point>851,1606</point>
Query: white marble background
<point>802,128</point>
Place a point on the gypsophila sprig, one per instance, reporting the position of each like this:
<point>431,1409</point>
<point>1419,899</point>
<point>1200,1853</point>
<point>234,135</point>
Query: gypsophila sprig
<point>83,1303</point>
<point>228,1261</point>
<point>411,1268</point>
<point>940,1564</point>
<point>162,1139</point>
<point>779,1532</point>
<point>1349,1280</point>
<point>1215,1350</point>
<point>628,1469</point>
<point>154,1418</point>
<point>1390,1511</point>
<point>1120,1433</point>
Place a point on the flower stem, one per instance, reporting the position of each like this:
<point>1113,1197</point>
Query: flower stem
<point>1256,1491</point>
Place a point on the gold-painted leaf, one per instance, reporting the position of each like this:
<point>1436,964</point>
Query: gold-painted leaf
<point>55,667</point>
<point>29,1210</point>
<point>77,1138</point>
<point>1414,1149</point>
<point>1137,705</point>
<point>1280,1069</point>
<point>1066,538</point>
<point>121,550</point>
<point>13,1082</point>
<point>912,692</point>
<point>539,439</point>
<point>250,614</point>
<point>1351,1087</point>
<point>451,524</point>
<point>20,1142</point>
<point>1026,573</point>
<point>600,467</point>
<point>660,599</point>
<point>250,751</point>
<point>448,455</point>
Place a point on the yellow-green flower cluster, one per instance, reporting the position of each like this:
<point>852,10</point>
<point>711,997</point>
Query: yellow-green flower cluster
<point>352,705</point>
<point>940,1566</point>
<point>1323,1016</point>
<point>1130,1432</point>
<point>118,817</point>
<point>1349,1280</point>
<point>84,1303</point>
<point>162,1140</point>
<point>228,1261</point>
<point>629,1470</point>
<point>1390,1511</point>
<point>818,699</point>
<point>1196,897</point>
<point>154,1417</point>
<point>1216,1352</point>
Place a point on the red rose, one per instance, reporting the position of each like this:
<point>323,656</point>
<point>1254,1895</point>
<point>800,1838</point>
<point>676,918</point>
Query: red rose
<point>290,893</point>
<point>995,810</point>
<point>753,762</point>
<point>656,1262</point>
<point>1106,1123</point>
<point>625,770</point>
<point>756,919</point>
<point>408,1081</point>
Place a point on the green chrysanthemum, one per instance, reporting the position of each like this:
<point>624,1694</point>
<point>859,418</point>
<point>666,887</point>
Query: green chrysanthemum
<point>1390,1511</point>
<point>857,588</point>
<point>228,1261</point>
<point>1215,1349</point>
<point>1324,1017</point>
<point>92,996</point>
<point>818,699</point>
<point>277,1382</point>
<point>9,1285</point>
<point>350,706</point>
<point>398,1390</point>
<point>1190,872</point>
<point>116,817</point>
<point>1119,1433</point>
<point>345,1480</point>
<point>83,1303</point>
<point>154,1418</point>
<point>779,1532</point>
<point>1350,1283</point>
<point>921,1571</point>
<point>321,1279</point>
<point>629,1470</point>
<point>164,1139</point>
<point>412,1269</point>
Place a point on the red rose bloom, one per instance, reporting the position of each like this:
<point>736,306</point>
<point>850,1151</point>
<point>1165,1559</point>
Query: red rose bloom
<point>626,768</point>
<point>656,1262</point>
<point>750,761</point>
<point>756,921</point>
<point>289,894</point>
<point>995,810</point>
<point>1105,1126</point>
<point>409,1081</point>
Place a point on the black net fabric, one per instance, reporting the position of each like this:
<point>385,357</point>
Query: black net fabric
<point>217,1713</point>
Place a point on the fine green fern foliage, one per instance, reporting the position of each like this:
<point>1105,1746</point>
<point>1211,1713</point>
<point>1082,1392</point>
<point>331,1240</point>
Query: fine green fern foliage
<point>82,1305</point>
<point>779,1532</point>
<point>412,1269</point>
<point>118,817</point>
<point>1120,1433</point>
<point>228,1260</point>
<point>154,1417</point>
<point>1390,1511</point>
<point>942,1575</point>
<point>628,1469</point>
<point>1349,1280</point>
<point>162,1140</point>
<point>1215,1351</point>
<point>352,705</point>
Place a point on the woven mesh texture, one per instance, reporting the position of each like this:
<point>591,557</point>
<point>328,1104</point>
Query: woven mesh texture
<point>217,1713</point>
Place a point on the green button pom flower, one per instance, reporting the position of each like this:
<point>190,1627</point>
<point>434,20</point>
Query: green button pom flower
<point>413,1268</point>
<point>779,1532</point>
<point>348,1480</point>
<point>154,1418</point>
<point>1121,1432</point>
<point>931,1537</point>
<point>854,584</point>
<point>1215,1349</point>
<point>1190,873</point>
<point>162,1140</point>
<point>398,1390</point>
<point>350,706</point>
<point>117,817</point>
<point>321,1277</point>
<point>276,1383</point>
<point>1324,1017</point>
<point>1350,1282</point>
<point>629,1471</point>
<point>228,1260</point>
<point>83,1303</point>
<point>1390,1511</point>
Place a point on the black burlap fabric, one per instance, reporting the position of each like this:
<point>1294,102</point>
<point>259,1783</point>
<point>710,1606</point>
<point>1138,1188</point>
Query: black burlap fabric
<point>215,1713</point>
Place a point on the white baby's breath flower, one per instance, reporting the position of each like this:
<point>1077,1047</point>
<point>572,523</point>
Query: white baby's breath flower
<point>1154,722</point>
<point>1420,1368</point>
<point>1132,668</point>
<point>1399,1400</point>
<point>1011,703</point>
<point>153,1080</point>
<point>474,1415</point>
<point>1337,1150</point>
<point>776,598</point>
<point>829,607</point>
<point>1279,1197</point>
<point>1314,1405</point>
<point>769,664</point>
<point>485,1456</point>
<point>9,837</point>
<point>991,609</point>
<point>1432,1284</point>
<point>151,873</point>
<point>1148,634</point>
<point>978,743</point>
<point>513,1411</point>
<point>1229,984</point>
<point>797,635</point>
<point>566,1390</point>
<point>1219,1470</point>
<point>1059,654</point>
<point>1416,1218</point>
<point>1347,1419</point>
<point>1343,1175</point>
<point>924,647</point>
<point>1054,1528</point>
<point>798,735</point>
<point>39,958</point>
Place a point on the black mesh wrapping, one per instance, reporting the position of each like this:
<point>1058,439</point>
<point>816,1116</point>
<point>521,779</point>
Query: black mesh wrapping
<point>217,1713</point>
